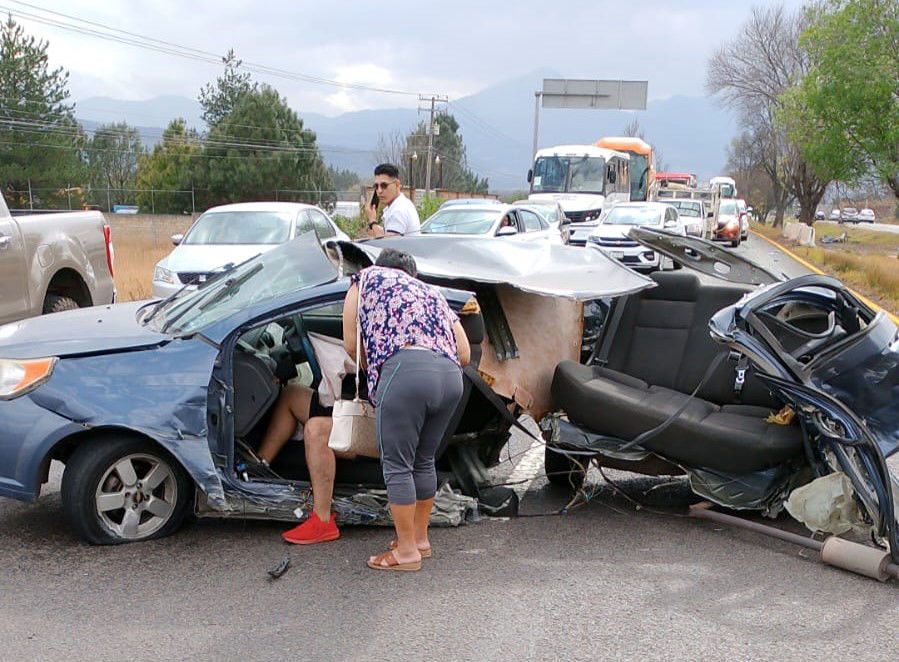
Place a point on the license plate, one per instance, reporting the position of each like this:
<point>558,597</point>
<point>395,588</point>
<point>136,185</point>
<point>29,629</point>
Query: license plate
<point>618,255</point>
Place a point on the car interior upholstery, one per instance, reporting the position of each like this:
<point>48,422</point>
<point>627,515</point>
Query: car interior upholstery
<point>267,357</point>
<point>659,354</point>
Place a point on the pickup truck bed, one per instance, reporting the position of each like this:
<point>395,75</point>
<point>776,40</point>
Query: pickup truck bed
<point>53,262</point>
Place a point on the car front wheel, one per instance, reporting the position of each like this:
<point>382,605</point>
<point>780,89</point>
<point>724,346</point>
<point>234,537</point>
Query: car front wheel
<point>124,489</point>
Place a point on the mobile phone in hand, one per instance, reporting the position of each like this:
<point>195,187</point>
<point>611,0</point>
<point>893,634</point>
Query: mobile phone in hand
<point>374,199</point>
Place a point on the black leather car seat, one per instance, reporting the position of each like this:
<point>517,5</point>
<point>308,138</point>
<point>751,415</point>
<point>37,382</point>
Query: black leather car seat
<point>659,354</point>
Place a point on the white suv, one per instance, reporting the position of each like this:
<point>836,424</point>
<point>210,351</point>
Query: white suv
<point>610,235</point>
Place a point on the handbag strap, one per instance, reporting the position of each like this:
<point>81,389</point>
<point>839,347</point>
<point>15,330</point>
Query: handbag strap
<point>358,330</point>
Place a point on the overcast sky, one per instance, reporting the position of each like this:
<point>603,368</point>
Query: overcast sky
<point>452,48</point>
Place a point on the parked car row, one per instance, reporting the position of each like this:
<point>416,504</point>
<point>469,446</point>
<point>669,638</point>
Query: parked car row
<point>848,215</point>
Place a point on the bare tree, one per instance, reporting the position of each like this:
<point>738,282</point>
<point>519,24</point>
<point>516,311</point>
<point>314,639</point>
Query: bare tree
<point>390,149</point>
<point>633,129</point>
<point>751,73</point>
<point>753,166</point>
<point>661,165</point>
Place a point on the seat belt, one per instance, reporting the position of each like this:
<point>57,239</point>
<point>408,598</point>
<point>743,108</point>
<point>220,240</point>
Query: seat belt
<point>601,357</point>
<point>740,374</point>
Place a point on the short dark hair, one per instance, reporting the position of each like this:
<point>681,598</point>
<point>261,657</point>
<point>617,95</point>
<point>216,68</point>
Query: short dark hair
<point>387,169</point>
<point>394,259</point>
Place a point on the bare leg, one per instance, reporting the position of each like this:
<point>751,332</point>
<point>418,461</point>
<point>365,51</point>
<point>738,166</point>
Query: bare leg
<point>404,522</point>
<point>422,519</point>
<point>292,407</point>
<point>321,462</point>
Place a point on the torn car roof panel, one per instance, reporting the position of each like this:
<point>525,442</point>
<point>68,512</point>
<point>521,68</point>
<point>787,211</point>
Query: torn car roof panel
<point>535,267</point>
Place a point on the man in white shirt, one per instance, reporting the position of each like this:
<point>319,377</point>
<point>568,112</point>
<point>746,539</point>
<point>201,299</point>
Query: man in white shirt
<point>400,216</point>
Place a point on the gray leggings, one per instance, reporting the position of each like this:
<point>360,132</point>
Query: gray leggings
<point>418,392</point>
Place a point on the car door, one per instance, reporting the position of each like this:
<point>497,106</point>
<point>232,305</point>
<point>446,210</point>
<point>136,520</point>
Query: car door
<point>531,227</point>
<point>13,290</point>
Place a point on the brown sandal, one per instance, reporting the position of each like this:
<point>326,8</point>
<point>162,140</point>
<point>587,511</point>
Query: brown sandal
<point>387,561</point>
<point>425,553</point>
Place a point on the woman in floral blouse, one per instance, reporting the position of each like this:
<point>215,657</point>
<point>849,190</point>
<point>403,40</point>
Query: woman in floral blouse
<point>413,347</point>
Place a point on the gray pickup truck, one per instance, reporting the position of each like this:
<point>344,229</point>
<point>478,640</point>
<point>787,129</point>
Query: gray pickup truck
<point>53,262</point>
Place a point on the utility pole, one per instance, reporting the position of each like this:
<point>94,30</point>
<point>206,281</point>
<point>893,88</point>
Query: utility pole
<point>434,99</point>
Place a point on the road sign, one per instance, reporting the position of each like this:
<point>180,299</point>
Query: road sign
<point>599,94</point>
<point>589,94</point>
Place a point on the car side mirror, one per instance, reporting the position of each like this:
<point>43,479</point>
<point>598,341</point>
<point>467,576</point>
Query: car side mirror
<point>506,231</point>
<point>177,238</point>
<point>530,175</point>
<point>711,214</point>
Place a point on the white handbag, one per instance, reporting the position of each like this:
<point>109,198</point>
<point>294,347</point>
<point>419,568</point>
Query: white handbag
<point>354,427</point>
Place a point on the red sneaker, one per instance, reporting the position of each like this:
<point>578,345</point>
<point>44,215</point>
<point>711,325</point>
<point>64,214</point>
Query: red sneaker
<point>312,531</point>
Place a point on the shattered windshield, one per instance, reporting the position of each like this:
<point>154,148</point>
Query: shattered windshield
<point>298,264</point>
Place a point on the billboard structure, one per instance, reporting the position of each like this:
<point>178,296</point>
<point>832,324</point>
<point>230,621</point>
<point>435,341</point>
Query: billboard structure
<point>589,94</point>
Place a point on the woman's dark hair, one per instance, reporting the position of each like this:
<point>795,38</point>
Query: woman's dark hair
<point>387,169</point>
<point>394,259</point>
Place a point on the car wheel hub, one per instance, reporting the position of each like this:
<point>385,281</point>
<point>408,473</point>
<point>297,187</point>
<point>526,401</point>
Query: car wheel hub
<point>136,496</point>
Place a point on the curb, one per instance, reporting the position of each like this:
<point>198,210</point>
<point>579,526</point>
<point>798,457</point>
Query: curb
<point>817,270</point>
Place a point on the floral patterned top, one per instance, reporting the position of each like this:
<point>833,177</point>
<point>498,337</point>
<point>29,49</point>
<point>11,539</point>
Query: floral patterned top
<point>396,311</point>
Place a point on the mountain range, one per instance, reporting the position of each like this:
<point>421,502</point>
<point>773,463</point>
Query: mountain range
<point>690,133</point>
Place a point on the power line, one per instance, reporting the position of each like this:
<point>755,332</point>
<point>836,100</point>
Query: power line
<point>171,48</point>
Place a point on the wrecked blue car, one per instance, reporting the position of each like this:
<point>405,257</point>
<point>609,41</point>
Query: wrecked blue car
<point>154,407</point>
<point>768,394</point>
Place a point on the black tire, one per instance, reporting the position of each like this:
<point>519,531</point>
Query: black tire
<point>96,460</point>
<point>735,243</point>
<point>56,304</point>
<point>562,471</point>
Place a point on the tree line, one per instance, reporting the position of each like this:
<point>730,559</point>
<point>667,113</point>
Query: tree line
<point>253,145</point>
<point>817,91</point>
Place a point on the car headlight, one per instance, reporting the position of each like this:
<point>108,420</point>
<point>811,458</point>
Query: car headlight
<point>592,214</point>
<point>163,275</point>
<point>20,377</point>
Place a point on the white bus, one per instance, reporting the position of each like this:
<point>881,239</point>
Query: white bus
<point>584,179</point>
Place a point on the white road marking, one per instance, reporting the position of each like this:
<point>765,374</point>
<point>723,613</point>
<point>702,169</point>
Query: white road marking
<point>528,467</point>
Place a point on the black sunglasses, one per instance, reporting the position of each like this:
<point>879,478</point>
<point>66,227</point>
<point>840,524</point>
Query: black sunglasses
<point>383,185</point>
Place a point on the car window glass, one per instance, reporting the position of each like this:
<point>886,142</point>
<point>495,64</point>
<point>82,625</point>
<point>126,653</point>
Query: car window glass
<point>303,223</point>
<point>531,221</point>
<point>322,226</point>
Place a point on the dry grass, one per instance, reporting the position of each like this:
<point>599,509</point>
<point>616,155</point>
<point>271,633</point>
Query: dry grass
<point>867,262</point>
<point>134,264</point>
<point>139,245</point>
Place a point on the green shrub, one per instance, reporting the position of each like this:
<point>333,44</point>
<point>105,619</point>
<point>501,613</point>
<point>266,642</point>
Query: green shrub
<point>428,205</point>
<point>354,227</point>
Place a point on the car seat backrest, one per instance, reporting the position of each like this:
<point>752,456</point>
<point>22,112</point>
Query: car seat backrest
<point>663,339</point>
<point>473,324</point>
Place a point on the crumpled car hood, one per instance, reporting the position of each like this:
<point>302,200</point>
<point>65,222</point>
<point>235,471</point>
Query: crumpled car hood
<point>536,267</point>
<point>82,331</point>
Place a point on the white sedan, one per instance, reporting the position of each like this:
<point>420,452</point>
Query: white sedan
<point>611,235</point>
<point>491,220</point>
<point>230,234</point>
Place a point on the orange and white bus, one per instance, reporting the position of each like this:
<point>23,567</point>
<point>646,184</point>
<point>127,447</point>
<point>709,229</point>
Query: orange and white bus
<point>641,168</point>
